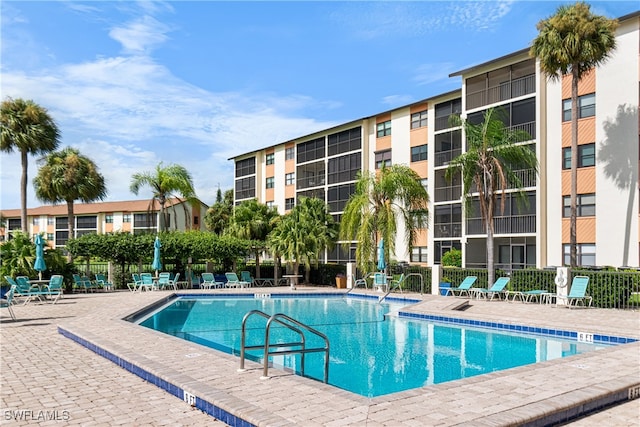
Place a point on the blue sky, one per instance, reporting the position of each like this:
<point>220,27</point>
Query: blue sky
<point>132,84</point>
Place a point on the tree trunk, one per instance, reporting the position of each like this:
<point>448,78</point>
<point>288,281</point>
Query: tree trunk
<point>71,222</point>
<point>23,191</point>
<point>258,263</point>
<point>490,266</point>
<point>161,217</point>
<point>574,170</point>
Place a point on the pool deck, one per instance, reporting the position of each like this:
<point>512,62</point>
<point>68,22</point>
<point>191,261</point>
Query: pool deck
<point>44,373</point>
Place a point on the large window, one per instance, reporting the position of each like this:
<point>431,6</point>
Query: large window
<point>585,205</point>
<point>448,221</point>
<point>519,115</point>
<point>289,179</point>
<point>310,175</point>
<point>270,158</point>
<point>419,153</point>
<point>383,158</point>
<point>246,167</point>
<point>344,168</point>
<point>338,196</point>
<point>586,156</point>
<point>586,107</point>
<point>345,141</point>
<point>311,150</point>
<point>448,146</point>
<point>419,119</point>
<point>586,254</point>
<point>270,182</point>
<point>245,188</point>
<point>384,128</point>
<point>444,110</point>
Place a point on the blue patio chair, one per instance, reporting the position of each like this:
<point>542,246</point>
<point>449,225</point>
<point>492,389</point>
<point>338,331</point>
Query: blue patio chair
<point>7,300</point>
<point>245,276</point>
<point>497,289</point>
<point>209,281</point>
<point>234,282</point>
<point>464,287</point>
<point>102,281</point>
<point>380,282</point>
<point>577,293</point>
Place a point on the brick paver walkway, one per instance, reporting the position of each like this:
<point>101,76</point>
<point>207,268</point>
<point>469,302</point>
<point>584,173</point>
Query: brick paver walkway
<point>47,375</point>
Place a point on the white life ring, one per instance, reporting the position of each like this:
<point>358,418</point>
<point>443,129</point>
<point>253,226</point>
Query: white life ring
<point>561,279</point>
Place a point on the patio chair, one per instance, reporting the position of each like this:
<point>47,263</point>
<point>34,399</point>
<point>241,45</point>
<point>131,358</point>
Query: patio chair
<point>7,300</point>
<point>497,289</point>
<point>147,283</point>
<point>234,282</point>
<point>245,276</point>
<point>54,288</point>
<point>82,283</point>
<point>137,281</point>
<point>102,281</point>
<point>463,288</point>
<point>577,293</point>
<point>209,281</point>
<point>380,282</point>
<point>163,280</point>
<point>173,282</point>
<point>23,288</point>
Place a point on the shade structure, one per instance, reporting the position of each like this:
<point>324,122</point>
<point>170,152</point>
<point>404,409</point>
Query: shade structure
<point>157,264</point>
<point>382,264</point>
<point>39,265</point>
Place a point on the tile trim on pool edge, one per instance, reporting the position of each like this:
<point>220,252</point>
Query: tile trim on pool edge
<point>556,333</point>
<point>203,405</point>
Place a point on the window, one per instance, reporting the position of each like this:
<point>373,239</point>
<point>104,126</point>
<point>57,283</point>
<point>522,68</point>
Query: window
<point>270,182</point>
<point>90,222</point>
<point>425,183</point>
<point>49,220</point>
<point>419,254</point>
<point>338,196</point>
<point>586,156</point>
<point>35,221</point>
<point>196,220</point>
<point>270,158</point>
<point>384,129</point>
<point>126,218</point>
<point>270,204</point>
<point>383,158</point>
<point>344,168</point>
<point>419,153</point>
<point>345,141</point>
<point>290,153</point>
<point>289,203</point>
<point>290,178</point>
<point>245,188</point>
<point>245,167</point>
<point>108,218</point>
<point>586,254</point>
<point>310,175</point>
<point>586,107</point>
<point>145,220</point>
<point>585,205</point>
<point>419,119</point>
<point>50,237</point>
<point>444,110</point>
<point>311,150</point>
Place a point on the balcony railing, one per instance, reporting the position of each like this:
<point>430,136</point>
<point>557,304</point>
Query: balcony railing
<point>529,128</point>
<point>448,193</point>
<point>448,230</point>
<point>502,92</point>
<point>504,225</point>
<point>444,157</point>
<point>443,122</point>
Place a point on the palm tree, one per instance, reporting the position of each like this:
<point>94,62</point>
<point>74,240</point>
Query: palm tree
<point>488,167</point>
<point>373,211</point>
<point>165,182</point>
<point>219,214</point>
<point>302,235</point>
<point>254,221</point>
<point>573,41</point>
<point>67,176</point>
<point>29,129</point>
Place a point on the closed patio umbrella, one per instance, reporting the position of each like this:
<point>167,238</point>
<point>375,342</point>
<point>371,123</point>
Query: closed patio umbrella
<point>39,265</point>
<point>382,264</point>
<point>157,264</point>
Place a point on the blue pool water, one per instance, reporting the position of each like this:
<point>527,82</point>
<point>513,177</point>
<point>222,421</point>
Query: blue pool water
<point>371,354</point>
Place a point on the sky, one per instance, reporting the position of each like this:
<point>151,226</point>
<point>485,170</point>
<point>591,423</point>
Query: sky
<point>132,84</point>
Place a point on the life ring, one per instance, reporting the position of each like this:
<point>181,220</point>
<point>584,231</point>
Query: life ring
<point>561,279</point>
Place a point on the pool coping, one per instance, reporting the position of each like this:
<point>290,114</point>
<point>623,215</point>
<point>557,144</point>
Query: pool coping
<point>223,395</point>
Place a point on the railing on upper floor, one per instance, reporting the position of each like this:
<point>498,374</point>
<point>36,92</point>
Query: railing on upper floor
<point>502,92</point>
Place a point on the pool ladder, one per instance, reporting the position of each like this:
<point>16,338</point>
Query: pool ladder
<point>291,348</point>
<point>399,283</point>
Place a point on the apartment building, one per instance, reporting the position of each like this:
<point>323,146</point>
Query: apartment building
<point>133,216</point>
<point>324,164</point>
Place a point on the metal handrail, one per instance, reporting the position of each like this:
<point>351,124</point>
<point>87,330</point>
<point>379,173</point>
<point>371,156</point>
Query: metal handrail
<point>277,318</point>
<point>399,285</point>
<point>364,280</point>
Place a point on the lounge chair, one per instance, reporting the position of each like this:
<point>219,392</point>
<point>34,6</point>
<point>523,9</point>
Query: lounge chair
<point>209,281</point>
<point>7,300</point>
<point>577,293</point>
<point>147,283</point>
<point>380,282</point>
<point>363,281</point>
<point>234,282</point>
<point>82,283</point>
<point>102,281</point>
<point>497,289</point>
<point>245,276</point>
<point>23,288</point>
<point>173,282</point>
<point>163,280</point>
<point>464,287</point>
<point>54,288</point>
<point>137,281</point>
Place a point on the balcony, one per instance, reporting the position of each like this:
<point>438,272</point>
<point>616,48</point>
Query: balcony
<point>443,158</point>
<point>502,92</point>
<point>504,225</point>
<point>444,194</point>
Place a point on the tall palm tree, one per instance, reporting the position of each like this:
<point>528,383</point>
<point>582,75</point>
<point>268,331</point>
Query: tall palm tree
<point>67,176</point>
<point>304,233</point>
<point>381,199</point>
<point>488,167</point>
<point>29,129</point>
<point>573,41</point>
<point>254,221</point>
<point>165,182</point>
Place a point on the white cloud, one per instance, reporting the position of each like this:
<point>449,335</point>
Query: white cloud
<point>397,100</point>
<point>433,72</point>
<point>141,35</point>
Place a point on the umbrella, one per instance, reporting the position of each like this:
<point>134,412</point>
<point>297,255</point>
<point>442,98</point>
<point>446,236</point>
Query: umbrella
<point>157,264</point>
<point>381,262</point>
<point>39,265</point>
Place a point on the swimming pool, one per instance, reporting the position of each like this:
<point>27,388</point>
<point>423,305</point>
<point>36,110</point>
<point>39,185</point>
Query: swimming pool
<point>372,353</point>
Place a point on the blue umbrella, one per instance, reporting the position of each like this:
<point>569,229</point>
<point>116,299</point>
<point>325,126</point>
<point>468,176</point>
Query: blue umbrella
<point>157,264</point>
<point>381,261</point>
<point>39,265</point>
